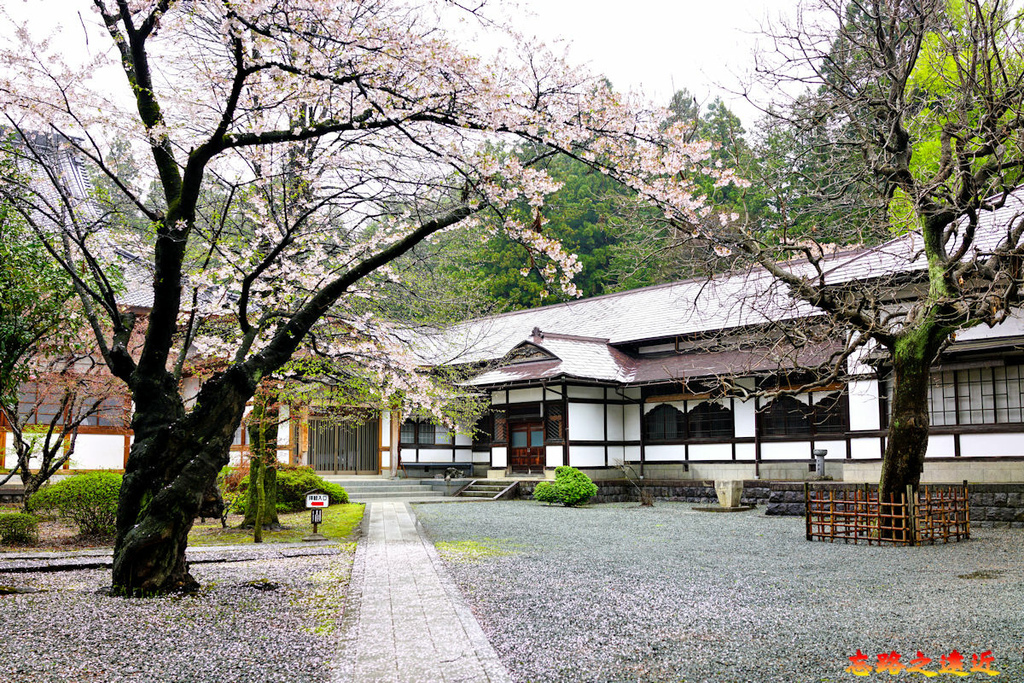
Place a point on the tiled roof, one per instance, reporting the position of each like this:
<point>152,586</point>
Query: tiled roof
<point>683,308</point>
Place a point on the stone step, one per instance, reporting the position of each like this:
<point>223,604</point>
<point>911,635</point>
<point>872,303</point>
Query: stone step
<point>384,495</point>
<point>404,488</point>
<point>477,494</point>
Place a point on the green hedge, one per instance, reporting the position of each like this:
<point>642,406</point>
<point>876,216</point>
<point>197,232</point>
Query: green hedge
<point>18,528</point>
<point>292,484</point>
<point>570,488</point>
<point>88,500</point>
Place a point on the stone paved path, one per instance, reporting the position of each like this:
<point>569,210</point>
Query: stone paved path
<point>407,621</point>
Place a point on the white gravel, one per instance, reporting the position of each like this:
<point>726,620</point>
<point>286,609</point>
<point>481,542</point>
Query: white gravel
<point>228,632</point>
<point>621,593</point>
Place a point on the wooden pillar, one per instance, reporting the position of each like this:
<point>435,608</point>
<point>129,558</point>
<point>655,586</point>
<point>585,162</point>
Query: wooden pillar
<point>396,432</point>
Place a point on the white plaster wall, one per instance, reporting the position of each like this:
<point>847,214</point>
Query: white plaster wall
<point>552,395</point>
<point>631,392</point>
<point>863,404</point>
<point>632,453</point>
<point>836,449</point>
<point>786,450</point>
<point>631,423</point>
<point>1012,326</point>
<point>865,449</point>
<point>586,422</point>
<point>437,455</point>
<point>525,395</point>
<point>463,455</point>
<point>499,456</point>
<point>189,390</point>
<point>743,414</point>
<point>615,455</point>
<point>972,445</point>
<point>99,452</point>
<point>284,432</point>
<point>385,460</point>
<point>746,451</point>
<point>497,397</point>
<point>463,440</point>
<point>482,457</point>
<point>554,456</point>
<point>711,451</point>
<point>587,456</point>
<point>665,452</point>
<point>941,447</point>
<point>385,428</point>
<point>615,428</point>
<point>586,392</point>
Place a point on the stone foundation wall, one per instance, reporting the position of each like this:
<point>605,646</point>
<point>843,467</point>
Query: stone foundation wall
<point>992,505</point>
<point>684,491</point>
<point>11,495</point>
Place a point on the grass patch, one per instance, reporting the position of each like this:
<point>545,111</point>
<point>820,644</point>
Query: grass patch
<point>474,550</point>
<point>339,523</point>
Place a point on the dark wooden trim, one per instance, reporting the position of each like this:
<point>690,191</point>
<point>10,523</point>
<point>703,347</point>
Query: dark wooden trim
<point>956,445</point>
<point>604,442</point>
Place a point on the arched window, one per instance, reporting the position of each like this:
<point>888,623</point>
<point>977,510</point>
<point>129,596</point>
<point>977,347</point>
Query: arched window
<point>831,412</point>
<point>710,420</point>
<point>785,416</point>
<point>665,423</point>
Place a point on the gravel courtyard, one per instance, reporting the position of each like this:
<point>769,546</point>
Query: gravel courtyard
<point>258,621</point>
<point>622,593</point>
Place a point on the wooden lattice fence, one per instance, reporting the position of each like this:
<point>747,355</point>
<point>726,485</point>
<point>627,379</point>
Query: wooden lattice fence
<point>925,515</point>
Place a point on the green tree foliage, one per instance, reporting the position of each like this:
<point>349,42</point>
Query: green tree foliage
<point>35,314</point>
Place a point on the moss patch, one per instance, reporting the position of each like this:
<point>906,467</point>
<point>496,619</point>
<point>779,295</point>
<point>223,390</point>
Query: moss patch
<point>340,522</point>
<point>474,550</point>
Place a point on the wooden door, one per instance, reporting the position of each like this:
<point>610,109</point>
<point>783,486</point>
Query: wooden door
<point>526,447</point>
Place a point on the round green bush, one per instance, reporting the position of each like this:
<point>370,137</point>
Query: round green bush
<point>570,488</point>
<point>87,500</point>
<point>292,484</point>
<point>18,528</point>
<point>545,492</point>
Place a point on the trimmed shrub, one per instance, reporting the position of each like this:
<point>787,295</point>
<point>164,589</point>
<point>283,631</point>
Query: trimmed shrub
<point>87,500</point>
<point>570,488</point>
<point>18,527</point>
<point>545,492</point>
<point>292,484</point>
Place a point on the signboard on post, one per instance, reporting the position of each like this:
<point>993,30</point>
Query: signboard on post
<point>316,501</point>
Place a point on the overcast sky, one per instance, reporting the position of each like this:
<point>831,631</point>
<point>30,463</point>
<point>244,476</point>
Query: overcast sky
<point>661,46</point>
<point>657,46</point>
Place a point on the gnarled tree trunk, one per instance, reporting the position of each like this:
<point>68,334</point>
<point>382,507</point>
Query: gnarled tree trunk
<point>172,462</point>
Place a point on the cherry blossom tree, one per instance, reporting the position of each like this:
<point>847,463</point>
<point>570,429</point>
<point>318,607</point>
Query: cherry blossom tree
<point>299,147</point>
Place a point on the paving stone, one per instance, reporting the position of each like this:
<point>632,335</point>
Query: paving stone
<point>412,623</point>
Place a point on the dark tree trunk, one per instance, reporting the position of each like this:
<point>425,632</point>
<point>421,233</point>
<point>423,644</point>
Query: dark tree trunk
<point>907,440</point>
<point>173,460</point>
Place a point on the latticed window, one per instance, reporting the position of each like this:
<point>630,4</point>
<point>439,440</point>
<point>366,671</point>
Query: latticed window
<point>422,433</point>
<point>830,411</point>
<point>785,416</point>
<point>710,420</point>
<point>483,432</point>
<point>500,427</point>
<point>826,413</point>
<point>975,396</point>
<point>665,423</point>
<point>554,423</point>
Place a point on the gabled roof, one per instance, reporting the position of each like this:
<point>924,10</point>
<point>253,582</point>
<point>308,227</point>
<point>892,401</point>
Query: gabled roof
<point>737,300</point>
